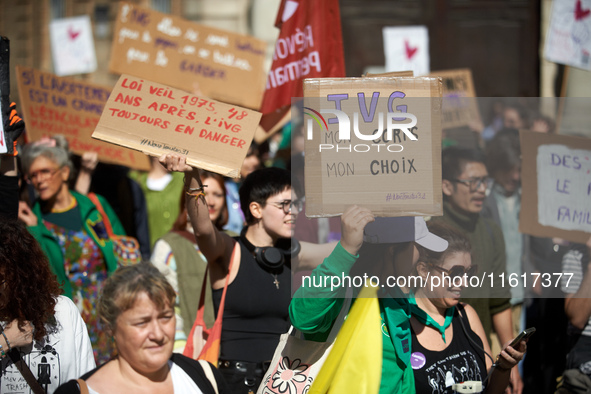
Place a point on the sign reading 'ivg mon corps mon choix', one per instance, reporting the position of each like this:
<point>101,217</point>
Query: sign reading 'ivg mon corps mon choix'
<point>54,105</point>
<point>157,119</point>
<point>374,142</point>
<point>225,66</point>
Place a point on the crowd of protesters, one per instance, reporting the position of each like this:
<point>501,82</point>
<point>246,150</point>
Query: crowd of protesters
<point>187,219</point>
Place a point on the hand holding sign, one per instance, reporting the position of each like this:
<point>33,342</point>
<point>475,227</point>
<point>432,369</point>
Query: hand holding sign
<point>175,162</point>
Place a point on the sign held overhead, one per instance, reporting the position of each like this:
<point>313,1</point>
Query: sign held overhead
<point>374,142</point>
<point>54,105</point>
<point>157,119</point>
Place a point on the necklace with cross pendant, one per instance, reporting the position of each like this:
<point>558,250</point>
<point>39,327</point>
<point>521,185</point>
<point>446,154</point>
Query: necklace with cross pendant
<point>276,282</point>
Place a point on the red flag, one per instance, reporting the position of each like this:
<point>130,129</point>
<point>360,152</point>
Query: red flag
<point>310,45</point>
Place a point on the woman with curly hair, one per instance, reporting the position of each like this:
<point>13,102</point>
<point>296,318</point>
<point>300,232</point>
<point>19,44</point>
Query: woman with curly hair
<point>45,328</point>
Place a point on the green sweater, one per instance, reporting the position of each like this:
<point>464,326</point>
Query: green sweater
<point>488,252</point>
<point>313,310</point>
<point>90,216</point>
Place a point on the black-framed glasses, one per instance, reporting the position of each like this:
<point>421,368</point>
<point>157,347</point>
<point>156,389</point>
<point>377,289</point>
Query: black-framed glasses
<point>288,205</point>
<point>457,270</point>
<point>474,183</point>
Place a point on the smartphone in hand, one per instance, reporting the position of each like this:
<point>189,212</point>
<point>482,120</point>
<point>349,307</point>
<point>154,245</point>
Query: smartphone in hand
<point>528,332</point>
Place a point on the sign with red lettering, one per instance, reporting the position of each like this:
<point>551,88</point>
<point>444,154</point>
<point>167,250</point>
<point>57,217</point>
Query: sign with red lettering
<point>157,119</point>
<point>568,40</point>
<point>556,186</point>
<point>71,107</point>
<point>374,142</point>
<point>225,66</point>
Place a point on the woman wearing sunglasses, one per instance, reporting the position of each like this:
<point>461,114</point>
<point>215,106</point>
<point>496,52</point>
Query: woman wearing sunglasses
<point>449,345</point>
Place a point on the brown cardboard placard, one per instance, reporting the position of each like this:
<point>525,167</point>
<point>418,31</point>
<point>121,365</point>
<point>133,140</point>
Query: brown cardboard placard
<point>408,73</point>
<point>219,64</point>
<point>391,176</point>
<point>157,119</point>
<point>556,185</point>
<point>459,108</point>
<point>55,105</point>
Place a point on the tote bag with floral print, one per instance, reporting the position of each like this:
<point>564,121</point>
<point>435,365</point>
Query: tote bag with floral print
<point>297,361</point>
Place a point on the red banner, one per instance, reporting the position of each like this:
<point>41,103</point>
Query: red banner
<point>310,45</point>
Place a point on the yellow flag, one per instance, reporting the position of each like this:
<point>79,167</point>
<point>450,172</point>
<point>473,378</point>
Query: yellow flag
<point>354,364</point>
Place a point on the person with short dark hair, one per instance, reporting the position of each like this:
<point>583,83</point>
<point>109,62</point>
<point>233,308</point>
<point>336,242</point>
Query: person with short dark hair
<point>464,186</point>
<point>263,258</point>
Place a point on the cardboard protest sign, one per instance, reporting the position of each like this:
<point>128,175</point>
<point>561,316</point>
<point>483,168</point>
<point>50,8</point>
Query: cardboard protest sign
<point>54,105</point>
<point>459,107</point>
<point>72,46</point>
<point>556,186</point>
<point>222,65</point>
<point>406,48</point>
<point>568,40</point>
<point>157,119</point>
<point>392,74</point>
<point>381,151</point>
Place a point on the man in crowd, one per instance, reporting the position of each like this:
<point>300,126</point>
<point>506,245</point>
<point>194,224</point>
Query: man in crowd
<point>464,189</point>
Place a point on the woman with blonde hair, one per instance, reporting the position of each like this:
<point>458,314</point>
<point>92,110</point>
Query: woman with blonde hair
<point>136,306</point>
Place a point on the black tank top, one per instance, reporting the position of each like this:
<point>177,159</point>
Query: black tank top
<point>256,312</point>
<point>436,371</point>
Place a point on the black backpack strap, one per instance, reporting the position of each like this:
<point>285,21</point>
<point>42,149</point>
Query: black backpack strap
<point>195,371</point>
<point>71,386</point>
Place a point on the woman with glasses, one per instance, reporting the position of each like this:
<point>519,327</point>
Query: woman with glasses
<point>71,232</point>
<point>449,345</point>
<point>262,259</point>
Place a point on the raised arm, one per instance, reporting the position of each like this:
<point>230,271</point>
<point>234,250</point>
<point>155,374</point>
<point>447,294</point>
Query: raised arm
<point>88,164</point>
<point>215,245</point>
<point>313,309</point>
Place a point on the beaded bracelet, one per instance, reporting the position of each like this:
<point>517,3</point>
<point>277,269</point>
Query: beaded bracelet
<point>196,195</point>
<point>7,342</point>
<point>199,189</point>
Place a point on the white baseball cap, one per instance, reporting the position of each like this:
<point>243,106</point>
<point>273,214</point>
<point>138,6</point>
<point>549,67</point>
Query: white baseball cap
<point>403,229</point>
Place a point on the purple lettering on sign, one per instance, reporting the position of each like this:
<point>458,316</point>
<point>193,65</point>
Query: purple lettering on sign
<point>368,117</point>
<point>337,98</point>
